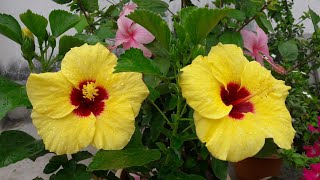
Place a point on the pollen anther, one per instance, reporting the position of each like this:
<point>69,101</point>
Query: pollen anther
<point>89,91</point>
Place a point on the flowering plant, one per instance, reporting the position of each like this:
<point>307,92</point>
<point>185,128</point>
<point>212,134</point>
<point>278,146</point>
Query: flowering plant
<point>157,101</point>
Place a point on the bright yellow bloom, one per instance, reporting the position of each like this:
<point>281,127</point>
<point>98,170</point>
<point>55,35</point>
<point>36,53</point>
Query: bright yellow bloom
<point>86,103</point>
<point>237,104</point>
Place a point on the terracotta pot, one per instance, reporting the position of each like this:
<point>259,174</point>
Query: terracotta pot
<point>258,168</point>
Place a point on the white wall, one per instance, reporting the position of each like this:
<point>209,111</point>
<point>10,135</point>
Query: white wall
<point>10,51</point>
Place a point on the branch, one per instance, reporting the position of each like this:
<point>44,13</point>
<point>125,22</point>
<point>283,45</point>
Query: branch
<point>252,18</point>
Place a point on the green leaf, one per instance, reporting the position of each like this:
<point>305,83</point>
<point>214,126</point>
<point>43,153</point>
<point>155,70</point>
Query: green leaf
<point>251,7</point>
<point>90,5</point>
<point>156,125</point>
<point>184,13</point>
<point>12,95</point>
<point>61,21</point>
<point>62,1</point>
<point>16,146</point>
<point>10,28</point>
<point>119,159</point>
<point>106,30</point>
<point>156,6</point>
<point>220,168</point>
<point>153,23</point>
<point>82,24</point>
<point>68,42</point>
<point>79,173</point>
<point>236,14</point>
<point>154,94</point>
<point>183,176</point>
<point>81,155</point>
<point>231,37</point>
<point>134,61</point>
<point>200,23</point>
<point>54,163</point>
<point>315,18</point>
<point>35,23</point>
<point>264,23</point>
<point>289,50</point>
<point>157,50</point>
<point>90,39</point>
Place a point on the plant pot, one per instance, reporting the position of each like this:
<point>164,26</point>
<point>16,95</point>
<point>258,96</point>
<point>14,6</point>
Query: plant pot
<point>258,168</point>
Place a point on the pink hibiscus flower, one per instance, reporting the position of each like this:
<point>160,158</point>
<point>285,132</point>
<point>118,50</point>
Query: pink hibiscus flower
<point>313,129</point>
<point>313,173</point>
<point>131,34</point>
<point>256,44</point>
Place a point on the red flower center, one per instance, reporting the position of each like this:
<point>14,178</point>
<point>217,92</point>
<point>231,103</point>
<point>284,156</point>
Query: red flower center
<point>238,98</point>
<point>89,99</point>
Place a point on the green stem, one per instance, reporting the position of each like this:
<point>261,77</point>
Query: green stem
<point>163,115</point>
<point>252,18</point>
<point>186,119</point>
<point>187,128</point>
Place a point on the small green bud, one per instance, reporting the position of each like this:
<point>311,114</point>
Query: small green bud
<point>28,48</point>
<point>52,41</point>
<point>26,33</point>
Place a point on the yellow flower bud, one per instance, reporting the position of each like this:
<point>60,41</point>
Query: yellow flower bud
<point>27,33</point>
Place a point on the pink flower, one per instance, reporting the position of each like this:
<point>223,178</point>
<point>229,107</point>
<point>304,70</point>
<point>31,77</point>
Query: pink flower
<point>127,9</point>
<point>257,46</point>
<point>312,151</point>
<point>313,129</point>
<point>131,34</point>
<point>313,173</point>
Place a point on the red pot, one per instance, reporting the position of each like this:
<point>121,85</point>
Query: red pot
<point>258,168</point>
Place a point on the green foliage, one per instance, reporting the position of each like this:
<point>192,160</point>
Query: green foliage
<point>315,19</point>
<point>12,95</point>
<point>264,23</point>
<point>68,42</point>
<point>16,146</point>
<point>72,172</point>
<point>220,168</point>
<point>134,154</point>
<point>37,24</point>
<point>229,37</point>
<point>155,24</point>
<point>62,1</point>
<point>107,160</point>
<point>199,23</point>
<point>289,50</point>
<point>156,6</point>
<point>54,163</point>
<point>61,21</point>
<point>90,5</point>
<point>134,61</point>
<point>236,14</point>
<point>250,7</point>
<point>10,28</point>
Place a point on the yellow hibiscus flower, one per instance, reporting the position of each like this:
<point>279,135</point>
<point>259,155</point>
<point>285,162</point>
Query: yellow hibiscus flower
<point>237,104</point>
<point>86,103</point>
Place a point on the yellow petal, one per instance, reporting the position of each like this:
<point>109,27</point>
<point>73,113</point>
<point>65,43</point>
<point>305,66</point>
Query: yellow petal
<point>49,94</point>
<point>260,82</point>
<point>66,135</point>
<point>228,139</point>
<point>87,63</point>
<point>115,125</point>
<point>202,90</point>
<point>228,62</point>
<point>269,104</point>
<point>128,84</point>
